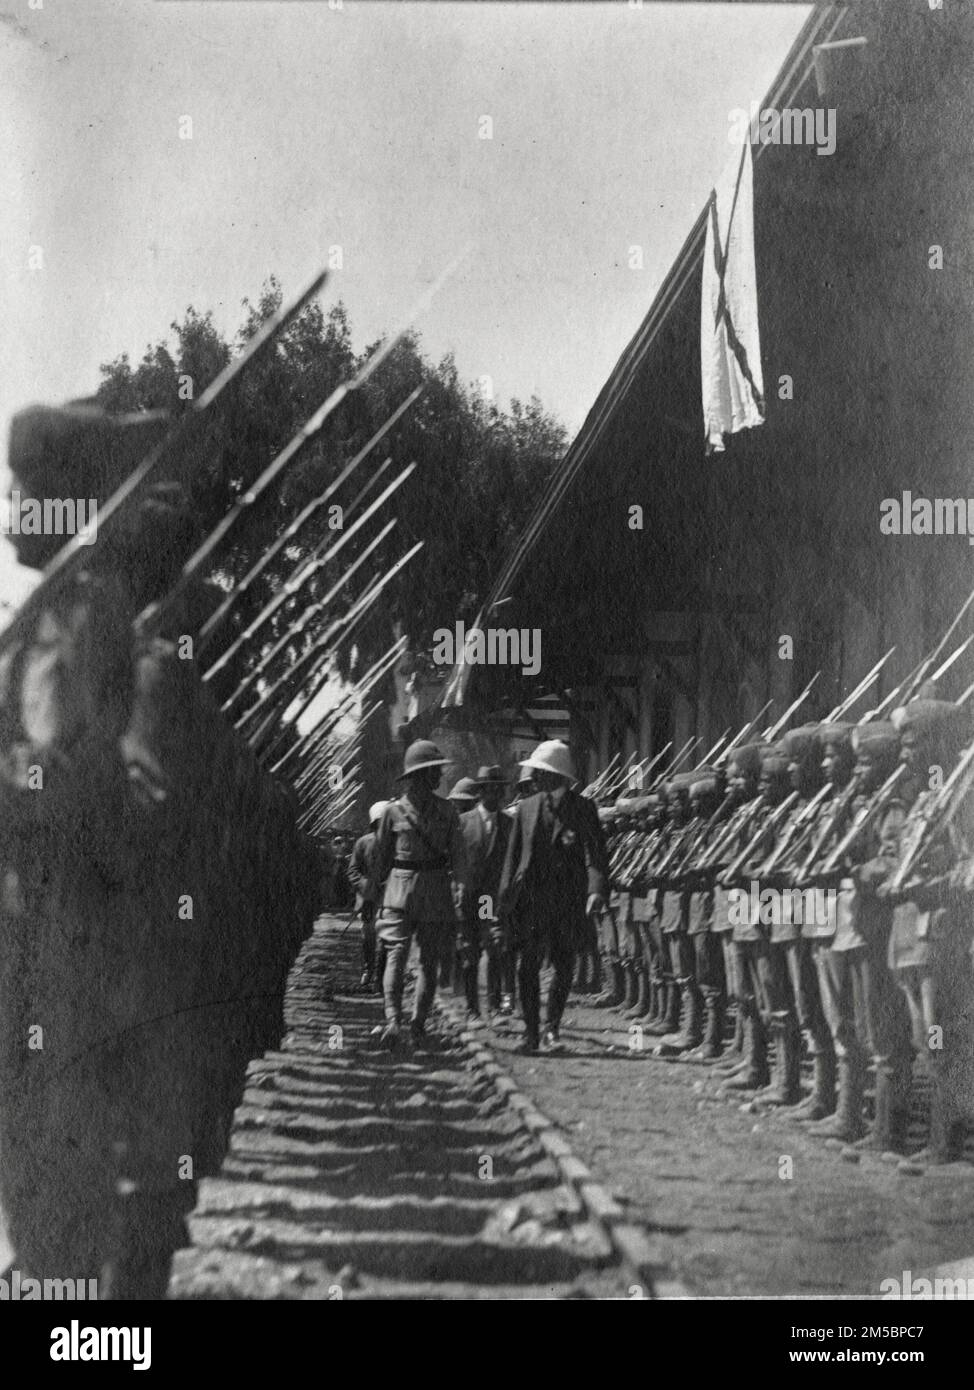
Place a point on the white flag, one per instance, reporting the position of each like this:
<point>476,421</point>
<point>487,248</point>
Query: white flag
<point>730,344</point>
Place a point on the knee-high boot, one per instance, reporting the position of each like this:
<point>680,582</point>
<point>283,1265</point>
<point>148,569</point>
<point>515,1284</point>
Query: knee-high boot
<point>784,1082</point>
<point>613,992</point>
<point>631,987</point>
<point>888,1129</point>
<point>846,1124</point>
<point>670,1011</point>
<point>641,1003</point>
<point>753,1072</point>
<point>711,1044</point>
<point>688,1033</point>
<point>945,1140</point>
<point>821,1100</point>
<point>654,998</point>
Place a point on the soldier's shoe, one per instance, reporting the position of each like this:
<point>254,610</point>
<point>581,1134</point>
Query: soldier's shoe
<point>551,1041</point>
<point>750,1078</point>
<point>689,1033</point>
<point>784,1086</point>
<point>530,1045</point>
<point>506,1006</point>
<point>888,1129</point>
<point>670,1017</point>
<point>711,1045</point>
<point>391,1036</point>
<point>654,1003</point>
<point>614,991</point>
<point>820,1101</point>
<point>417,1034</point>
<point>366,983</point>
<point>846,1125</point>
<point>642,995</point>
<point>752,1073</point>
<point>730,1064</point>
<point>944,1147</point>
<point>630,987</point>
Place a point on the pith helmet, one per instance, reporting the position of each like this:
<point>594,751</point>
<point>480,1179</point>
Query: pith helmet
<point>552,756</point>
<point>376,811</point>
<point>422,754</point>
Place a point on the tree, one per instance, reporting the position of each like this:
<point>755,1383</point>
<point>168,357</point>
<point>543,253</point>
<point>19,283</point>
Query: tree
<point>479,471</point>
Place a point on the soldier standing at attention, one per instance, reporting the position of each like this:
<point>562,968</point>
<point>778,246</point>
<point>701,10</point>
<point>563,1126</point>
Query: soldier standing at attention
<point>418,845</point>
<point>554,875</point>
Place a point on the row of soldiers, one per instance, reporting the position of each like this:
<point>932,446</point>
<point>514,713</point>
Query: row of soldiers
<point>819,888</point>
<point>154,888</point>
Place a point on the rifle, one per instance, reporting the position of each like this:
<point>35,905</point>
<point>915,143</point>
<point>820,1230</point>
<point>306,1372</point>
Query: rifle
<point>685,866</point>
<point>729,832</point>
<point>933,817</point>
<point>862,820</point>
<point>647,765</point>
<point>770,734</point>
<point>304,571</point>
<point>674,763</point>
<point>676,844</point>
<point>792,833</point>
<point>70,558</point>
<point>837,816</point>
<point>306,617</point>
<point>921,675</point>
<point>769,826</point>
<point>859,690</point>
<point>743,734</point>
<point>594,787</point>
<point>632,868</point>
<point>300,520</point>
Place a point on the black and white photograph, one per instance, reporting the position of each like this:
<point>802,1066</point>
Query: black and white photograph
<point>487,665</point>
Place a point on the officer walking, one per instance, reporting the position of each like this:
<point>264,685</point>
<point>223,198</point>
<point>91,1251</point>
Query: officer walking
<point>554,874</point>
<point>418,846</point>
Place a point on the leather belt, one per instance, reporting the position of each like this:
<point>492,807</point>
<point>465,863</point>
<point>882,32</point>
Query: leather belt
<point>420,864</point>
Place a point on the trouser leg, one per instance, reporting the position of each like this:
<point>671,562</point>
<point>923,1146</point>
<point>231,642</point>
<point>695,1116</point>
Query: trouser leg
<point>495,971</point>
<point>368,947</point>
<point>528,971</point>
<point>435,940</point>
<point>563,962</point>
<point>887,1019</point>
<point>468,939</point>
<point>803,979</point>
<point>394,978</point>
<point>752,1072</point>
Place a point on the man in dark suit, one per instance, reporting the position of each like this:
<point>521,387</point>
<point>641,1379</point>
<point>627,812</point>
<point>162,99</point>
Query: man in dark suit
<point>486,831</point>
<point>554,875</point>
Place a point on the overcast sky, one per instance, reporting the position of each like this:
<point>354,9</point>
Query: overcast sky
<point>359,127</point>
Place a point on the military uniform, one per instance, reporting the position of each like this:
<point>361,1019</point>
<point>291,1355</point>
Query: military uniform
<point>132,989</point>
<point>419,855</point>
